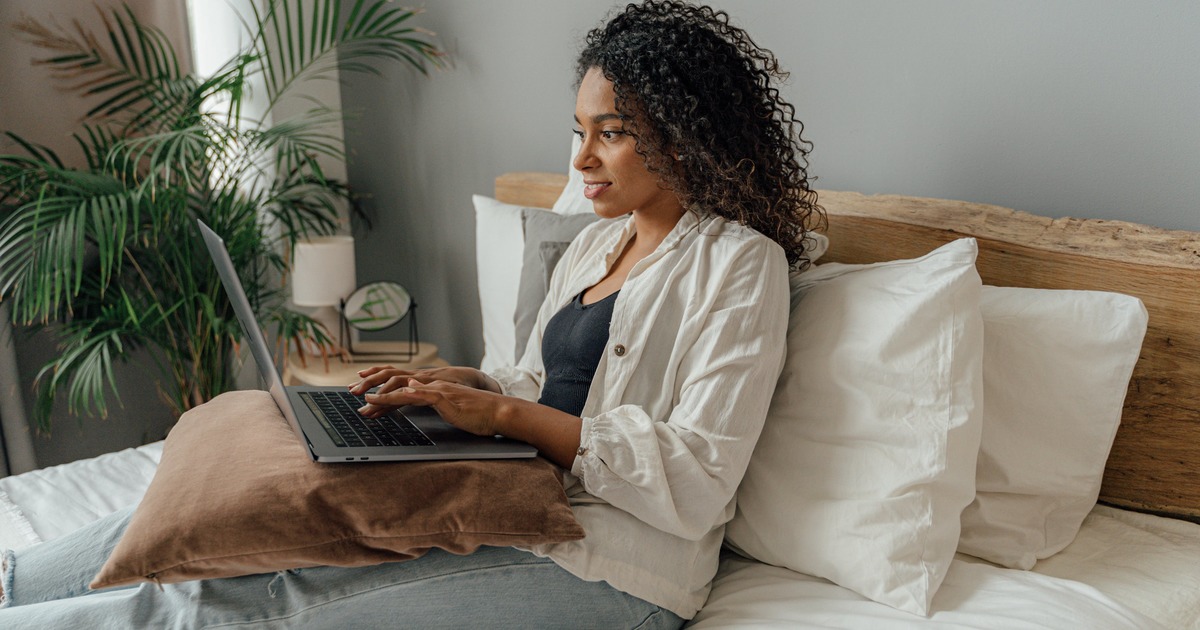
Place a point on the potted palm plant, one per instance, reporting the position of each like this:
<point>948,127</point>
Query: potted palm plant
<point>107,254</point>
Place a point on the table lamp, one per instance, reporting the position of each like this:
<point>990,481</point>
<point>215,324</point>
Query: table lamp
<point>323,275</point>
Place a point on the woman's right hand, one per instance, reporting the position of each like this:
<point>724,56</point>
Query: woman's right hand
<point>388,378</point>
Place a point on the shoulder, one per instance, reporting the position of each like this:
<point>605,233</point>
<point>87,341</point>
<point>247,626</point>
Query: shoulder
<point>732,240</point>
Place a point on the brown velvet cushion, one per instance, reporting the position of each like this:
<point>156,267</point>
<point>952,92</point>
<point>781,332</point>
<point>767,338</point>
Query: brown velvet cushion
<point>236,494</point>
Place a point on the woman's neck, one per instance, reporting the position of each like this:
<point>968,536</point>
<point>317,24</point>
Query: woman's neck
<point>651,227</point>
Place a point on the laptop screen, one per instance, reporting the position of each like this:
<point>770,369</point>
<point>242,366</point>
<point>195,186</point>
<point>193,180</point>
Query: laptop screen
<point>241,307</point>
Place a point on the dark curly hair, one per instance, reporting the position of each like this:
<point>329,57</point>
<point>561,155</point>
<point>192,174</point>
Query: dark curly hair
<point>696,93</point>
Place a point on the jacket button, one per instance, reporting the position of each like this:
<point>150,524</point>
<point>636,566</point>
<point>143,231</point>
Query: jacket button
<point>619,350</point>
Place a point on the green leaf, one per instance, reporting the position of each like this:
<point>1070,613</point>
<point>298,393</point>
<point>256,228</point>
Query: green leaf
<point>108,253</point>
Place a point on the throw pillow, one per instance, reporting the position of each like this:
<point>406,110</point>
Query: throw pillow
<point>235,494</point>
<point>499,246</point>
<point>547,236</point>
<point>867,457</point>
<point>1056,366</point>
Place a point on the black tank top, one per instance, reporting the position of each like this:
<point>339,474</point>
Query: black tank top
<point>572,346</point>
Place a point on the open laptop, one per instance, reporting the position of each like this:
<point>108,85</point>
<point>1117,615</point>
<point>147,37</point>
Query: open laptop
<point>326,418</point>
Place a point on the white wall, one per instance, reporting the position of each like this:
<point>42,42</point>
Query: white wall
<point>1088,108</point>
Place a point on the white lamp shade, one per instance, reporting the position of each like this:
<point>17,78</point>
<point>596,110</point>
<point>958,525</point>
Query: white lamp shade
<point>323,271</point>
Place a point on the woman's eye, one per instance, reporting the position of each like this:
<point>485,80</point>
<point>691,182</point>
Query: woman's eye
<point>578,132</point>
<point>611,134</point>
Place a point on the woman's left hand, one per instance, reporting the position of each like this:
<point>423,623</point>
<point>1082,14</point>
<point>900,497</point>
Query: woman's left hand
<point>470,409</point>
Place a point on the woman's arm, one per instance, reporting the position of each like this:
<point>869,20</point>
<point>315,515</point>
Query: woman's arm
<point>478,409</point>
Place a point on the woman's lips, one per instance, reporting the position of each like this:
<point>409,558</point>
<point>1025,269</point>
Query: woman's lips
<point>591,191</point>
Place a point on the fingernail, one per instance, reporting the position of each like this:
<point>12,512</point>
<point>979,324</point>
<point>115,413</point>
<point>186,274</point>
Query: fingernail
<point>363,409</point>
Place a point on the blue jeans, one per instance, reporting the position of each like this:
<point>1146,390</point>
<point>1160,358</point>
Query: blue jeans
<point>45,586</point>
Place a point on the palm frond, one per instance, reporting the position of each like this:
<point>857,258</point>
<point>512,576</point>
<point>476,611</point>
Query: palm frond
<point>84,367</point>
<point>46,243</point>
<point>136,72</point>
<point>336,40</point>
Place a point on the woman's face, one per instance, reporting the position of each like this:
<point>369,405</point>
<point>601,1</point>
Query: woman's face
<point>615,176</point>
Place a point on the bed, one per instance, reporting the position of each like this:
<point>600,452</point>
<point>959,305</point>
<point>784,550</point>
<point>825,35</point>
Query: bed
<point>1133,561</point>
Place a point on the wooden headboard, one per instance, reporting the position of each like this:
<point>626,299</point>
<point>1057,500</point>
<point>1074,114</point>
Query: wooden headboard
<point>1155,460</point>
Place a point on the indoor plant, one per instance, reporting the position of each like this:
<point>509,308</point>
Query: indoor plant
<point>108,254</point>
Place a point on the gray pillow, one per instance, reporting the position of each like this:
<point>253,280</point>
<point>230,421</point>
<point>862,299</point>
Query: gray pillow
<point>547,236</point>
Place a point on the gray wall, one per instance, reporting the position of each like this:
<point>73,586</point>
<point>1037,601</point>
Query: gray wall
<point>1087,108</point>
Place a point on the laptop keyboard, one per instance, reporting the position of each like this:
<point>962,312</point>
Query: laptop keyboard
<point>346,427</point>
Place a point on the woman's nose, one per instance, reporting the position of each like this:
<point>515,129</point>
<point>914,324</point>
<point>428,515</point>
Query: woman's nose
<point>585,157</point>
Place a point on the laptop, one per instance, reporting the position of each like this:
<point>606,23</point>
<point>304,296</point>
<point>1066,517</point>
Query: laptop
<point>326,418</point>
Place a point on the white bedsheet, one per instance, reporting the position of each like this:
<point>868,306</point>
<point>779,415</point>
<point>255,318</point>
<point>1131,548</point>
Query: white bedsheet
<point>749,594</point>
<point>47,503</point>
<point>1124,570</point>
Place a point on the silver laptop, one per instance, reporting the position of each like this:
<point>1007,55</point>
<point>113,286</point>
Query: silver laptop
<point>326,418</point>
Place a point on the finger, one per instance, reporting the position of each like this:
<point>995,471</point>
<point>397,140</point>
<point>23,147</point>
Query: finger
<point>376,379</point>
<point>373,369</point>
<point>392,384</point>
<point>378,404</point>
<point>370,378</point>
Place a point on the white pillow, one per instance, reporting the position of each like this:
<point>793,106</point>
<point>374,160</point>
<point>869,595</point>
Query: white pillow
<point>867,458</point>
<point>499,246</point>
<point>1056,367</point>
<point>571,200</point>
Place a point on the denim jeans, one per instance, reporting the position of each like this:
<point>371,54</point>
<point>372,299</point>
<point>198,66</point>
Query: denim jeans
<point>45,586</point>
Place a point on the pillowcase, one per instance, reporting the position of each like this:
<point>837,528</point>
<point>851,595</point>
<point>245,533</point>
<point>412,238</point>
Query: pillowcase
<point>1056,367</point>
<point>571,199</point>
<point>499,246</point>
<point>867,457</point>
<point>235,494</point>
<point>547,236</point>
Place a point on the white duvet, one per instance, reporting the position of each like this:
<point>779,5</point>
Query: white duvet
<point>1124,569</point>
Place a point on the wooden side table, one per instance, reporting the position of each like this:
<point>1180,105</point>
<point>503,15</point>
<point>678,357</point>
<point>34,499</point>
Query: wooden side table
<point>342,373</point>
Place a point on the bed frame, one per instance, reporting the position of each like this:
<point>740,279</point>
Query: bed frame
<point>1154,465</point>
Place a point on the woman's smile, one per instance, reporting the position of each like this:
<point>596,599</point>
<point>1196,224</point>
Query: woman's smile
<point>591,190</point>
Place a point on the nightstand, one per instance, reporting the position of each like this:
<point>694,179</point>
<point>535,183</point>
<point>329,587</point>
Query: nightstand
<point>340,373</point>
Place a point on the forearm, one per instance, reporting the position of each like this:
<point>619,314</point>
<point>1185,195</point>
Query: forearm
<point>555,433</point>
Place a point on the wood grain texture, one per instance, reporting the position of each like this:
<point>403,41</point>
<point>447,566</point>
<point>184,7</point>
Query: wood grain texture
<point>1155,460</point>
<point>531,189</point>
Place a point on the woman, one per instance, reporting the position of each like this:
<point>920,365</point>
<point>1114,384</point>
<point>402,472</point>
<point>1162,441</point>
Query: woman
<point>653,363</point>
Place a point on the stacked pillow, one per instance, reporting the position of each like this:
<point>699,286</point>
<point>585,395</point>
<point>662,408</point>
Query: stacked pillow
<point>868,454</point>
<point>1056,366</point>
<point>878,462</point>
<point>919,413</point>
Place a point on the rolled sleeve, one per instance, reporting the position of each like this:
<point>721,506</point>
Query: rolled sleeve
<point>517,382</point>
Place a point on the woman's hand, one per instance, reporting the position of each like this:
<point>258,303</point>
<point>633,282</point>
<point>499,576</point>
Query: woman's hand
<point>472,401</point>
<point>468,408</point>
<point>389,379</point>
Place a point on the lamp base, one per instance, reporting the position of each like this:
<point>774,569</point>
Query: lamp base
<point>330,318</point>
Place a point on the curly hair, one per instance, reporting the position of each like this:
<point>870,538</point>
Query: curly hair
<point>696,93</point>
